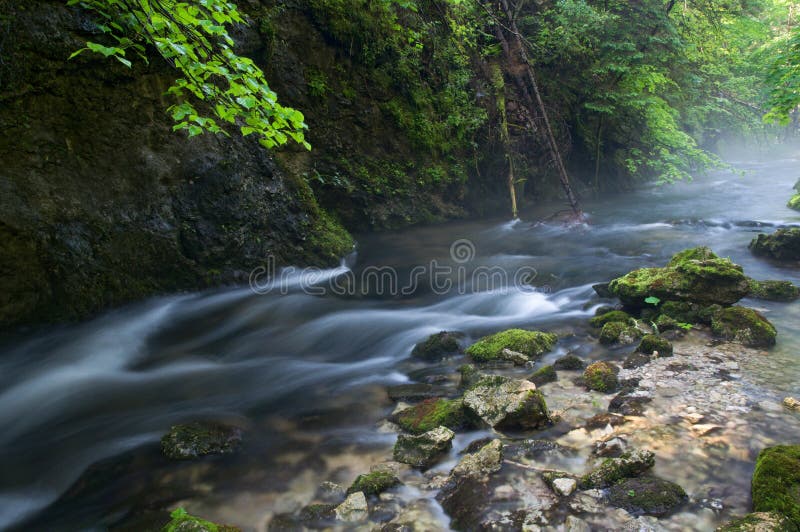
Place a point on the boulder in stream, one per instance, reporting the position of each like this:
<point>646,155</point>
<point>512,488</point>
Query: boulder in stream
<point>181,521</point>
<point>612,470</point>
<point>744,325</point>
<point>783,245</point>
<point>532,344</point>
<point>616,332</point>
<point>544,375</point>
<point>776,482</point>
<point>505,403</point>
<point>196,439</point>
<point>647,495</point>
<point>759,522</point>
<point>774,290</point>
<point>608,317</point>
<point>601,377</point>
<point>433,413</point>
<point>423,450</point>
<point>697,275</point>
<point>653,343</point>
<point>437,346</point>
<point>569,362</point>
<point>353,509</point>
<point>374,483</point>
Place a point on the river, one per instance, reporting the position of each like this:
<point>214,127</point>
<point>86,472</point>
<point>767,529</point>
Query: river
<point>303,365</point>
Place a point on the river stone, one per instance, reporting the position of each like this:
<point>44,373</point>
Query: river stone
<point>543,375</point>
<point>565,486</point>
<point>532,344</point>
<point>647,495</point>
<point>774,290</point>
<point>745,326</point>
<point>515,357</point>
<point>697,275</point>
<point>569,362</point>
<point>616,332</point>
<point>652,343</point>
<point>505,403</point>
<point>181,521</point>
<point>601,377</point>
<point>424,450</point>
<point>759,522</point>
<point>353,509</point>
<point>630,464</point>
<point>374,482</point>
<point>603,420</point>
<point>421,515</point>
<point>487,460</point>
<point>792,404</point>
<point>437,346</point>
<point>432,413</point>
<point>776,481</point>
<point>783,244</point>
<point>576,524</point>
<point>193,440</point>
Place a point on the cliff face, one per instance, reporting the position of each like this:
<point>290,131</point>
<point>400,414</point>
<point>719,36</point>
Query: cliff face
<point>101,203</point>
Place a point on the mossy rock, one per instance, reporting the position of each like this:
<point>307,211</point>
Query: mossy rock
<point>616,332</point>
<point>696,275</point>
<point>433,413</point>
<point>647,495</point>
<point>686,312</point>
<point>744,325</point>
<point>193,440</point>
<point>374,483</point>
<point>507,404</point>
<point>759,522</point>
<point>184,522</point>
<point>425,449</point>
<point>794,202</point>
<point>774,290</point>
<point>776,482</point>
<point>569,363</point>
<point>652,342</point>
<point>783,244</point>
<point>612,470</point>
<point>636,360</point>
<point>665,323</point>
<point>601,377</point>
<point>530,343</point>
<point>544,375</point>
<point>615,315</point>
<point>436,346</point>
<point>469,375</point>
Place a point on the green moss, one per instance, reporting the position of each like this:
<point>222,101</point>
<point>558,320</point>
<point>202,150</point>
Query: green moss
<point>648,495</point>
<point>601,377</point>
<point>436,346</point>
<point>614,315</point>
<point>652,342</point>
<point>776,482</point>
<point>544,375</point>
<point>699,253</point>
<point>783,244</point>
<point>374,483</point>
<point>183,522</point>
<point>794,202</point>
<point>433,413</point>
<point>314,513</point>
<point>618,332</point>
<point>774,290</point>
<point>193,440</point>
<point>666,323</point>
<point>744,325</point>
<point>530,343</point>
<point>759,522</point>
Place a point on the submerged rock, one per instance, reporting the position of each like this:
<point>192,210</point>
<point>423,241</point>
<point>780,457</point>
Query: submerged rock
<point>759,522</point>
<point>776,482</point>
<point>696,275</point>
<point>543,375</point>
<point>353,509</point>
<point>607,317</point>
<point>774,290</point>
<point>505,403</point>
<point>744,325</point>
<point>636,360</point>
<point>374,483</point>
<point>437,346</point>
<point>653,343</point>
<point>630,464</point>
<point>433,413</point>
<point>515,357</point>
<point>532,344</point>
<point>601,377</point>
<point>616,332</point>
<point>791,403</point>
<point>424,450</point>
<point>647,495</point>
<point>628,403</point>
<point>469,375</point>
<point>488,459</point>
<point>569,363</point>
<point>783,244</point>
<point>414,392</point>
<point>193,440</point>
<point>601,421</point>
<point>665,323</point>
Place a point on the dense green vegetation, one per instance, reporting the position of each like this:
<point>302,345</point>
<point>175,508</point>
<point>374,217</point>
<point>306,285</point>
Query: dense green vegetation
<point>634,90</point>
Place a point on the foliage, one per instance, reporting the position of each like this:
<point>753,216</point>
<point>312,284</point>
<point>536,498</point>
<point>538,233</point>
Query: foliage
<point>217,86</point>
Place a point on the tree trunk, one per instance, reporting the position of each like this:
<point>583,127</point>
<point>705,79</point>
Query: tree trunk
<point>552,145</point>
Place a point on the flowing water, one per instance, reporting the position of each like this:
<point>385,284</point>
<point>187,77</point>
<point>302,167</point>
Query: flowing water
<point>304,369</point>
